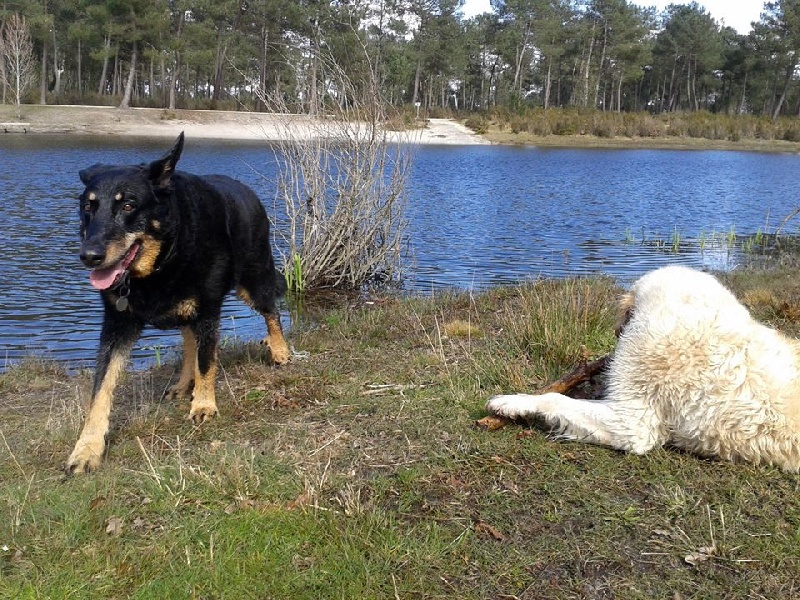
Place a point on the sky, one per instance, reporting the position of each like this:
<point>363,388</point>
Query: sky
<point>734,13</point>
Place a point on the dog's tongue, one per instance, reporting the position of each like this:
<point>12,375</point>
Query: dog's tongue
<point>102,279</point>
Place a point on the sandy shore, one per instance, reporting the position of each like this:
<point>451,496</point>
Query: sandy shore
<point>271,127</point>
<point>223,125</point>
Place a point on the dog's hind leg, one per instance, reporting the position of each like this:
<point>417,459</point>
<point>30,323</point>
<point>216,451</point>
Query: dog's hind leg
<point>183,388</point>
<point>261,297</point>
<point>116,340</point>
<point>204,403</point>
<point>581,420</point>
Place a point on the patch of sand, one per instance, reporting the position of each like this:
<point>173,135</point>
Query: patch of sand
<point>208,124</point>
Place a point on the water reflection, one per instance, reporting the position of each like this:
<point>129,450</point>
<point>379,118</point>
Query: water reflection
<point>478,217</point>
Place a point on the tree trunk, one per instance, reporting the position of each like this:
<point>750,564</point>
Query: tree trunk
<point>80,75</point>
<point>600,67</point>
<point>162,66</point>
<point>520,57</point>
<point>57,69</point>
<point>417,74</point>
<point>219,69</point>
<point>43,77</point>
<point>263,72</point>
<point>484,100</point>
<point>101,87</point>
<point>548,82</point>
<point>150,88</point>
<point>491,92</point>
<point>743,99</point>
<point>115,73</point>
<point>671,100</point>
<point>313,103</point>
<point>586,69</point>
<point>126,97</point>
<point>173,82</point>
<point>786,81</point>
<point>176,64</point>
<point>558,87</point>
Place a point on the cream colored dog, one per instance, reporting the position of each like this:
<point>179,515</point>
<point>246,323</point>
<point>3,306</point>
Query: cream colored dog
<point>692,369</point>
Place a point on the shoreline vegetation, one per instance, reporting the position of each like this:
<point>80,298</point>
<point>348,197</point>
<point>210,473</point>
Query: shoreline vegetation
<point>570,128</point>
<point>357,471</point>
<point>673,130</point>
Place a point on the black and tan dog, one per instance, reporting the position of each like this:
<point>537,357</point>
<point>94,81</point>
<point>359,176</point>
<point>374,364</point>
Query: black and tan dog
<point>165,247</point>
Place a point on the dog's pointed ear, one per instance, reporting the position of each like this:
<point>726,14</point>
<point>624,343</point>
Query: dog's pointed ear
<point>161,170</point>
<point>88,173</point>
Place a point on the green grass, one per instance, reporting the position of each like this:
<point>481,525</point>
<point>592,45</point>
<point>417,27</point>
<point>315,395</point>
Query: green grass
<point>358,472</point>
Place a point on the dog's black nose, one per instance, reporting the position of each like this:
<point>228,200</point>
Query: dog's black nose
<point>92,257</point>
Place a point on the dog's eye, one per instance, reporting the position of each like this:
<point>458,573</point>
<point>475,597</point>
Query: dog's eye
<point>86,206</point>
<point>128,206</point>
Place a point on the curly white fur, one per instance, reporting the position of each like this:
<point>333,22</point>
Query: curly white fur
<point>692,369</point>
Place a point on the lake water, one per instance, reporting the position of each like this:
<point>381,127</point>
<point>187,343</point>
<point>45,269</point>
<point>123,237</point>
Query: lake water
<point>478,216</point>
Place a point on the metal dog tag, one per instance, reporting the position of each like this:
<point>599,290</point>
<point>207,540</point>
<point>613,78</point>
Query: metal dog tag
<point>124,289</point>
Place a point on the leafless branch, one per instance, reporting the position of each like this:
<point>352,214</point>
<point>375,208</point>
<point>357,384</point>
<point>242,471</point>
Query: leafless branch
<point>343,184</point>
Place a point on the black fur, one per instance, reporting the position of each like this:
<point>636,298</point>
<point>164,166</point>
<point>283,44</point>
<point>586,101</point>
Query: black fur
<point>190,240</point>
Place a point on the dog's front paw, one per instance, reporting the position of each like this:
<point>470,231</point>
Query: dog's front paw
<point>202,411</point>
<point>278,350</point>
<point>87,455</point>
<point>513,406</point>
<point>280,355</point>
<point>179,391</point>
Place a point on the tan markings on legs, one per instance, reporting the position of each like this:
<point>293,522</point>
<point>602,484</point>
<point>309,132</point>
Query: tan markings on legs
<point>88,452</point>
<point>244,296</point>
<point>204,404</point>
<point>185,383</point>
<point>275,341</point>
<point>186,309</point>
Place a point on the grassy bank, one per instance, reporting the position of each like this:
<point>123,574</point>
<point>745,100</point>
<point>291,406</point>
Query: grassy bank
<point>678,130</point>
<point>357,472</point>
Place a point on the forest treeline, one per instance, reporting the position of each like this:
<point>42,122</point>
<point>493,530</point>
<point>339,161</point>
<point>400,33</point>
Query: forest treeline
<point>610,55</point>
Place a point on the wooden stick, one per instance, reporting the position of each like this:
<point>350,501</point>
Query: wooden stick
<point>583,372</point>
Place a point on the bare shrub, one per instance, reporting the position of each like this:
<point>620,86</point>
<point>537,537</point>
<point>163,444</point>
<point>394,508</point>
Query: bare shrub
<point>343,183</point>
<point>17,62</point>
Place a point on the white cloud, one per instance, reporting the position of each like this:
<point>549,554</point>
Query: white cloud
<point>737,14</point>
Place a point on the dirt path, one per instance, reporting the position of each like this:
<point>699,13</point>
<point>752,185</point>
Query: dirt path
<point>447,131</point>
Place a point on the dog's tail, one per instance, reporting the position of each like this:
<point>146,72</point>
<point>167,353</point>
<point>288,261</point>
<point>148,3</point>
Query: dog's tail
<point>625,306</point>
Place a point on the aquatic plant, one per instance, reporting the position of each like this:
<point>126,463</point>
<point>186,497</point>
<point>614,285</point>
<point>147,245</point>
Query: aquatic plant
<point>294,274</point>
<point>629,238</point>
<point>676,240</point>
